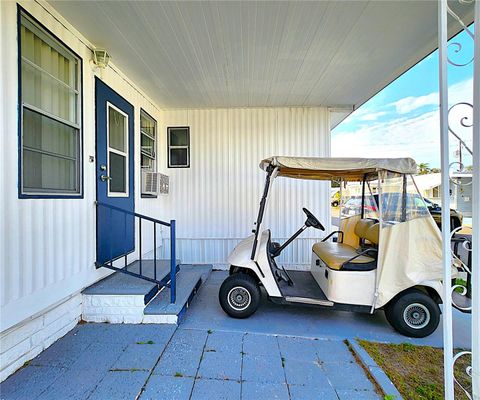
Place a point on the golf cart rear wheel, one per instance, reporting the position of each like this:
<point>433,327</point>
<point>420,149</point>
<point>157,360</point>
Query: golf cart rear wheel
<point>239,295</point>
<point>413,313</point>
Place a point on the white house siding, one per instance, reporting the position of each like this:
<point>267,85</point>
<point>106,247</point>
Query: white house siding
<point>215,201</point>
<point>47,247</point>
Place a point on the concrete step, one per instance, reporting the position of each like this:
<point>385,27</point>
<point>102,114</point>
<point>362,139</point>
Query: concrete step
<point>188,280</point>
<point>121,298</point>
<point>119,283</point>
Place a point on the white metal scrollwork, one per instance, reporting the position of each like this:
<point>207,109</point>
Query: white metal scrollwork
<point>463,294</point>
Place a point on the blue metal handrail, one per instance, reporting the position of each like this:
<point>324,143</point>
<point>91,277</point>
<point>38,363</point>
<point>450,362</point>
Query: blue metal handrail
<point>173,260</point>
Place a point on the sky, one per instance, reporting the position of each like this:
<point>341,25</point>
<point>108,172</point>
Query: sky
<point>402,120</point>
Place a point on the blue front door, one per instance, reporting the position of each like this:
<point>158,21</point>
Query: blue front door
<point>114,174</point>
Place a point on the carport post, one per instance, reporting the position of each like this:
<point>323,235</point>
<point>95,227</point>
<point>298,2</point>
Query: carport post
<point>444,152</point>
<point>476,212</point>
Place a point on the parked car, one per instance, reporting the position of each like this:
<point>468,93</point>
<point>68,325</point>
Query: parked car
<point>456,217</point>
<point>353,205</point>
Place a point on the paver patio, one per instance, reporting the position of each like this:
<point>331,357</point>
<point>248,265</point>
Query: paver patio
<point>103,361</point>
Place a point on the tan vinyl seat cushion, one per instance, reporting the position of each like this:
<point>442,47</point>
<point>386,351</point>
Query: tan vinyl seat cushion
<point>368,229</point>
<point>336,254</point>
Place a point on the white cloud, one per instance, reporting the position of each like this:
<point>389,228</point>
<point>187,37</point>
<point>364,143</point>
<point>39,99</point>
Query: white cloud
<point>403,136</point>
<point>411,103</point>
<point>372,116</point>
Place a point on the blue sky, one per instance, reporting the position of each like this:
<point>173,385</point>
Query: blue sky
<point>402,119</point>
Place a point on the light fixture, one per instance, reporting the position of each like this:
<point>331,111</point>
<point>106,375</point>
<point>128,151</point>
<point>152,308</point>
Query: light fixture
<point>101,58</point>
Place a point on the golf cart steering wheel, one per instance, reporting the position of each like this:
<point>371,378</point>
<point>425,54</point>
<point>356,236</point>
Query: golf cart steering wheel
<point>312,220</point>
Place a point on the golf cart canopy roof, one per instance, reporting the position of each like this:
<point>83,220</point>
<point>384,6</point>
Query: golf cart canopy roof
<point>327,168</point>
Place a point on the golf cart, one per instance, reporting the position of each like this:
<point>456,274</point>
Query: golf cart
<point>383,256</point>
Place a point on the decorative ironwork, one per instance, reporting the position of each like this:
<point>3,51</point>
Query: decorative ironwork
<point>468,372</point>
<point>459,117</point>
<point>457,47</point>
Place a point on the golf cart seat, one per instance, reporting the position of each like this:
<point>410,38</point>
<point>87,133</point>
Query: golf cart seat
<point>341,256</point>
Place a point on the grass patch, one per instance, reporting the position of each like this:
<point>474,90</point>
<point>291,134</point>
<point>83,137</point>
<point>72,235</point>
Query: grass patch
<point>178,375</point>
<point>417,371</point>
<point>148,342</point>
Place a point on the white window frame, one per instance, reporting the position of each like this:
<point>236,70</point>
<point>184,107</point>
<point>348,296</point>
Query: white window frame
<point>143,113</point>
<point>170,147</point>
<point>121,153</point>
<point>34,26</point>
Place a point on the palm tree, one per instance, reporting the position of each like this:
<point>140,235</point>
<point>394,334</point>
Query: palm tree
<point>423,168</point>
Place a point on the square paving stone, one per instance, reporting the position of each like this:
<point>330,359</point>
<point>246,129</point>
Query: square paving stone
<point>262,345</point>
<point>313,392</point>
<point>139,356</point>
<point>295,348</point>
<point>188,339</point>
<point>305,373</point>
<point>347,376</point>
<point>333,351</point>
<point>262,369</point>
<point>358,395</point>
<point>88,331</point>
<point>168,388</point>
<point>29,382</point>
<point>220,366</point>
<point>225,342</point>
<point>99,357</point>
<point>183,361</point>
<point>270,391</point>
<point>133,333</point>
<point>63,352</point>
<point>75,384</point>
<point>120,385</point>
<point>208,389</point>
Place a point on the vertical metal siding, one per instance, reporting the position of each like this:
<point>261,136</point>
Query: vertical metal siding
<point>215,201</point>
<point>47,246</point>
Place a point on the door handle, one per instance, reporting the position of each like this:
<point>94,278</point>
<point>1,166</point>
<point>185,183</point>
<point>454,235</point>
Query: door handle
<point>105,178</point>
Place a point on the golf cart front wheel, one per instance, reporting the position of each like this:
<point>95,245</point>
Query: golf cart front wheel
<point>413,313</point>
<point>239,295</point>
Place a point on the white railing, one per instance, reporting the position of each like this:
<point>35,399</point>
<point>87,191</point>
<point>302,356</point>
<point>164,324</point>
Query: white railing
<point>473,243</point>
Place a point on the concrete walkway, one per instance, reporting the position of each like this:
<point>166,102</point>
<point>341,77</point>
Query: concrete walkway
<point>205,313</point>
<point>104,361</point>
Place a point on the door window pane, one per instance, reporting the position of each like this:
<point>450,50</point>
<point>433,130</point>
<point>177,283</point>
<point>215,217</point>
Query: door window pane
<point>117,173</point>
<point>116,129</point>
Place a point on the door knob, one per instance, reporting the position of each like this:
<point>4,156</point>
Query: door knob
<point>104,178</point>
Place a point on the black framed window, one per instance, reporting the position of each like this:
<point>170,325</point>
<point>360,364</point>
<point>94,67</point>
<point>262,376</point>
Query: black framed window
<point>148,138</point>
<point>50,114</point>
<point>178,147</point>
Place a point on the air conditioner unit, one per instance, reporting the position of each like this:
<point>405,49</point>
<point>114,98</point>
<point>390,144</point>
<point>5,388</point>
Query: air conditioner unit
<point>154,182</point>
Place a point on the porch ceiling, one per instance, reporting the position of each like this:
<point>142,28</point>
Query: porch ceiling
<point>246,54</point>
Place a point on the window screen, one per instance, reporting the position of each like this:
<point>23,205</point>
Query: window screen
<point>50,113</point>
<point>179,147</point>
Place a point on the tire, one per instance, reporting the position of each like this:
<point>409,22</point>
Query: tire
<point>413,313</point>
<point>239,295</point>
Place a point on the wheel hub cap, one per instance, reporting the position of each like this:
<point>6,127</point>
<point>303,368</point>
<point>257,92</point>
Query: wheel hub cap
<point>239,298</point>
<point>416,316</point>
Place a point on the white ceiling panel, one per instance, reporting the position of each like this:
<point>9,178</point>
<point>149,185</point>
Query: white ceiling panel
<point>244,54</point>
